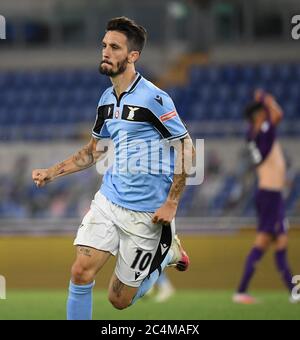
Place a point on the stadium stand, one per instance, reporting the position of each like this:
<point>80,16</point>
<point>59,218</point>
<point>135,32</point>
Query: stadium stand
<point>49,105</point>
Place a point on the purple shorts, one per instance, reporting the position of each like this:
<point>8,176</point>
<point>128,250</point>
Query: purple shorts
<point>271,212</point>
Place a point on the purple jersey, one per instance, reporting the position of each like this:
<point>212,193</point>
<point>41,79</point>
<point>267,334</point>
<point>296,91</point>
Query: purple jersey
<point>260,144</point>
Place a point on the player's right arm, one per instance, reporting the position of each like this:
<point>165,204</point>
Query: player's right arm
<point>81,160</point>
<point>275,110</point>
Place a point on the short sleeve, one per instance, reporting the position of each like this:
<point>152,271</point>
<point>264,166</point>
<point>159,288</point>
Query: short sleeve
<point>100,129</point>
<point>168,122</point>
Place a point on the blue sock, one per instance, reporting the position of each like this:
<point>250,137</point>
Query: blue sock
<point>150,281</point>
<point>79,305</point>
<point>162,280</point>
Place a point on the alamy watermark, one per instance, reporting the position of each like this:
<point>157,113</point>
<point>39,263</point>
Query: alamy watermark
<point>296,27</point>
<point>2,288</point>
<point>296,289</point>
<point>154,157</point>
<point>2,27</point>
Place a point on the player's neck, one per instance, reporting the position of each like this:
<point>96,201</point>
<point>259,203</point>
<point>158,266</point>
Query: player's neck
<point>122,81</point>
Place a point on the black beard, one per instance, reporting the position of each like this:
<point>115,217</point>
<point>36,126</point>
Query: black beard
<point>121,68</point>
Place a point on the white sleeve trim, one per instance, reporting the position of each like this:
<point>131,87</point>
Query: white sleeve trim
<point>178,137</point>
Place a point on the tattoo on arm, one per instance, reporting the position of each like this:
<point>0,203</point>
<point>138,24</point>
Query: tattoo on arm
<point>60,168</point>
<point>177,187</point>
<point>183,161</point>
<point>84,158</point>
<point>179,176</point>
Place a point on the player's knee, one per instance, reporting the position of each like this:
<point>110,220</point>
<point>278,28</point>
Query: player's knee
<point>119,303</point>
<point>263,242</point>
<point>81,275</point>
<point>262,246</point>
<point>281,243</point>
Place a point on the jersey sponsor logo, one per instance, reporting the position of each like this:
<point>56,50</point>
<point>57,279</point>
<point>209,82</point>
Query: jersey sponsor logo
<point>159,100</point>
<point>167,116</point>
<point>137,275</point>
<point>132,111</point>
<point>163,248</point>
<point>109,111</point>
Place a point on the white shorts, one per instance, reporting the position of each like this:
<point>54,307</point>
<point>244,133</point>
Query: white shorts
<point>141,245</point>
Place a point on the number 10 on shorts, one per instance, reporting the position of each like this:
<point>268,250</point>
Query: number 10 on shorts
<point>142,262</point>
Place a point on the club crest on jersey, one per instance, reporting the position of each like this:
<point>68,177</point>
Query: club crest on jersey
<point>117,114</point>
<point>132,111</point>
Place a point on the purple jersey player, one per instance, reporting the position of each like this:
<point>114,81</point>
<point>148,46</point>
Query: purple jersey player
<point>264,115</point>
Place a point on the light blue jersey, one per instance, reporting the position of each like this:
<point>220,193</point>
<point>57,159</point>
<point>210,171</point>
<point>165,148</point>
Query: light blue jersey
<point>141,123</point>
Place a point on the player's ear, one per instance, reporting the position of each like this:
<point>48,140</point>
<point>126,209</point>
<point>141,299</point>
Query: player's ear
<point>133,57</point>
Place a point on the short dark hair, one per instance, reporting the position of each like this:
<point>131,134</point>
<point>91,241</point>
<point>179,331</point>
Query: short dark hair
<point>252,109</point>
<point>135,33</point>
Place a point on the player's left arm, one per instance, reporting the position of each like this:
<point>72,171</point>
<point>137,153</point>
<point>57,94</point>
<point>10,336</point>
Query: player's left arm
<point>185,155</point>
<point>276,112</point>
<point>274,109</point>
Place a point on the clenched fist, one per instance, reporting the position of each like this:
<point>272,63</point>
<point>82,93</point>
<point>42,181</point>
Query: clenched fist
<point>41,177</point>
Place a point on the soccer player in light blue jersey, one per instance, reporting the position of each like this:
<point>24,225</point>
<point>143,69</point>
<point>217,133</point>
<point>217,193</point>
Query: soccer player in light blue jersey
<point>132,216</point>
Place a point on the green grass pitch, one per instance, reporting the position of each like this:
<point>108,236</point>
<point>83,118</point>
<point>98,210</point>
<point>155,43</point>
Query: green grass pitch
<point>184,305</point>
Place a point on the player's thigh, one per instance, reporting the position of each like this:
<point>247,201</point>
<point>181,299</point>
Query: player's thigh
<point>89,259</point>
<point>97,230</point>
<point>120,295</point>
<point>263,240</point>
<point>97,238</point>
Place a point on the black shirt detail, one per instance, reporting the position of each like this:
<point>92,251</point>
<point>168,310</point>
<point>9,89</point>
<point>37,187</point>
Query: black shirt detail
<point>104,112</point>
<point>135,113</point>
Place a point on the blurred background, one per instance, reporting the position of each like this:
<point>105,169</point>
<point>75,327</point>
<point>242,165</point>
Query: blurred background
<point>209,55</point>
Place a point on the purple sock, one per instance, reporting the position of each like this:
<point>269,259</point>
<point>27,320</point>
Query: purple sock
<point>255,255</point>
<point>283,268</point>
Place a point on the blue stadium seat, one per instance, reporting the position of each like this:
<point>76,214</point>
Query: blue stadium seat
<point>266,72</point>
<point>230,74</point>
<point>290,109</point>
<point>248,74</point>
<point>219,202</point>
<point>285,72</point>
<point>214,92</point>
